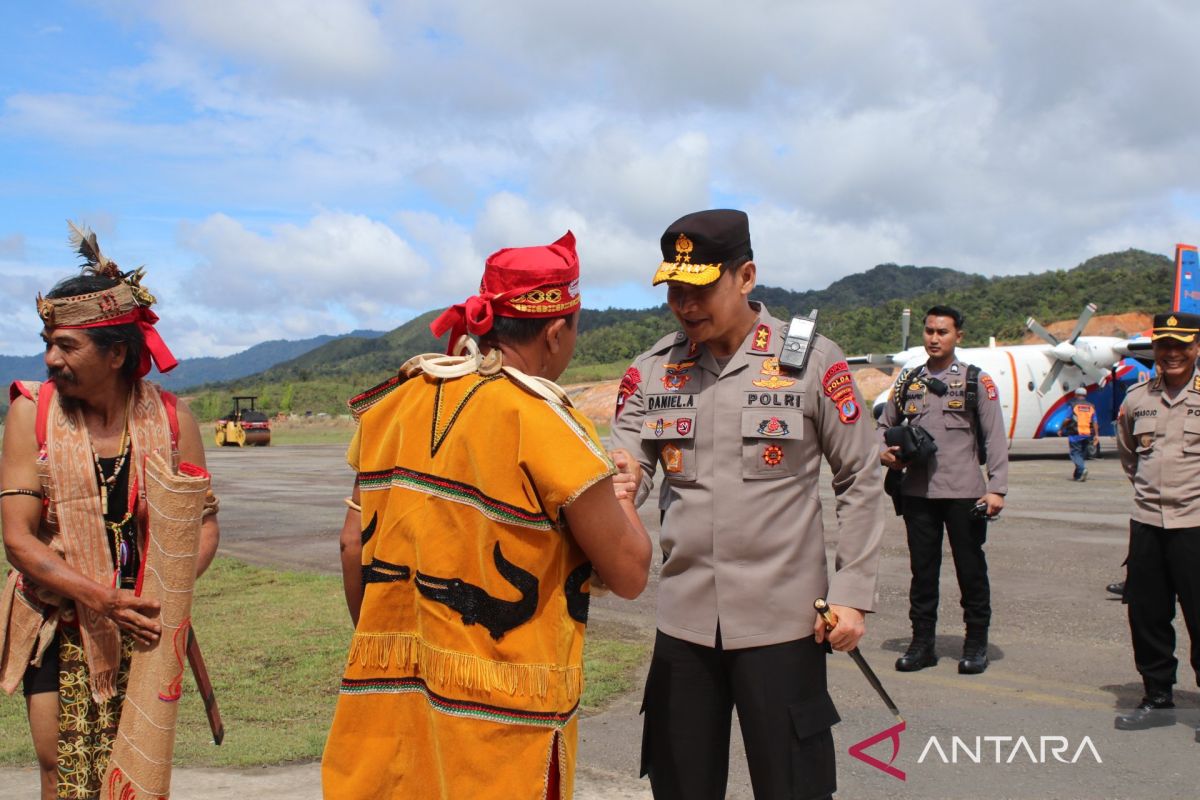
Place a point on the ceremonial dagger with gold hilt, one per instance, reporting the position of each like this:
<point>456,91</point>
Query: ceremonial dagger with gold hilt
<point>831,622</point>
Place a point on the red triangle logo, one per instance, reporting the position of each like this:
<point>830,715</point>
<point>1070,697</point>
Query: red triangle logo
<point>892,733</point>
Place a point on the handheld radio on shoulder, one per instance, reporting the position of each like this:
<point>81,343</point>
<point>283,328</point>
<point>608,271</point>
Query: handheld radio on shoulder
<point>796,341</point>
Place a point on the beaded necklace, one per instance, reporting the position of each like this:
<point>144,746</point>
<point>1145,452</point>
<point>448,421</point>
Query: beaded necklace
<point>108,481</point>
<point>122,543</point>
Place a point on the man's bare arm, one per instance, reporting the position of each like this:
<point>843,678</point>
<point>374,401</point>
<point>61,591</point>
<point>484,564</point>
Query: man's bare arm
<point>350,541</point>
<point>612,536</point>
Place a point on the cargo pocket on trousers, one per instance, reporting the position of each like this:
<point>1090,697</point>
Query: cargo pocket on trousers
<point>814,771</point>
<point>654,692</point>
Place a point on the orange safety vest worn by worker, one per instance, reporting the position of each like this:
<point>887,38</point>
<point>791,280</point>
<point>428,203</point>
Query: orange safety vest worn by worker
<point>1084,414</point>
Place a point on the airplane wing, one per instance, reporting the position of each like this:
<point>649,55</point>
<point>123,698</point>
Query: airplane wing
<point>1133,347</point>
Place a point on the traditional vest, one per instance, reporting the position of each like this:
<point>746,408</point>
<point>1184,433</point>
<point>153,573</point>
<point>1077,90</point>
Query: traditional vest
<point>465,670</point>
<point>73,525</point>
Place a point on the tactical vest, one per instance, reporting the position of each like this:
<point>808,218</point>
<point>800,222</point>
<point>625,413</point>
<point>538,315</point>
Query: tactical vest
<point>971,401</point>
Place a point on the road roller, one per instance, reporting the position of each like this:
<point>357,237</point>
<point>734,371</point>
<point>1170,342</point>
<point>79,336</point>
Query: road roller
<point>244,426</point>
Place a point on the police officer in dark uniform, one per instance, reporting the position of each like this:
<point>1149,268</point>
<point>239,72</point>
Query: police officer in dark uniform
<point>740,438</point>
<point>1158,438</point>
<point>947,490</point>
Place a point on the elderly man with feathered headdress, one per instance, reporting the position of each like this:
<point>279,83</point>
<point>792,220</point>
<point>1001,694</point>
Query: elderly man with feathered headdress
<point>72,492</point>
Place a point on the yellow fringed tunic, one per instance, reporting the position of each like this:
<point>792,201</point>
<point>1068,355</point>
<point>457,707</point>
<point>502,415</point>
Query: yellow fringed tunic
<point>465,670</point>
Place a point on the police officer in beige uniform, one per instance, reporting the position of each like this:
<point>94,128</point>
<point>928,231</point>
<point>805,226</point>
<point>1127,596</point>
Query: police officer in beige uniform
<point>1158,438</point>
<point>739,440</point>
<point>944,491</point>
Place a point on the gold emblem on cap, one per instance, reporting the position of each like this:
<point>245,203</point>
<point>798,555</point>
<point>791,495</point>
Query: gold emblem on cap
<point>1171,321</point>
<point>683,248</point>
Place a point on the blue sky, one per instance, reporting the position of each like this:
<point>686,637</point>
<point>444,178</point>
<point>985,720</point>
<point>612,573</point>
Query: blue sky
<point>286,169</point>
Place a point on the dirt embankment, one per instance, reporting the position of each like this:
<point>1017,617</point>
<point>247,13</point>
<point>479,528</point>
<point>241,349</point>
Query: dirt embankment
<point>1122,325</point>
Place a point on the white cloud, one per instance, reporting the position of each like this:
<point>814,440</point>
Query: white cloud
<point>995,138</point>
<point>20,325</point>
<point>302,43</point>
<point>12,247</point>
<point>337,271</point>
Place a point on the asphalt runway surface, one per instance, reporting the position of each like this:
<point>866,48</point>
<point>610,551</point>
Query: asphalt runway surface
<point>1037,724</point>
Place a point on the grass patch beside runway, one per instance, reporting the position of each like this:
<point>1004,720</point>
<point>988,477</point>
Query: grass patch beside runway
<point>275,643</point>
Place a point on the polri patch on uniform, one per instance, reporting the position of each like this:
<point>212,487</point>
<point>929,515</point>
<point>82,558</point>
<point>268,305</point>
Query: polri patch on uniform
<point>676,375</point>
<point>772,455</point>
<point>774,379</point>
<point>773,427</point>
<point>683,426</point>
<point>762,339</point>
<point>955,404</point>
<point>838,386</point>
<point>989,385</point>
<point>659,425</point>
<point>629,385</point>
<point>1146,439</point>
<point>911,408</point>
<point>672,458</point>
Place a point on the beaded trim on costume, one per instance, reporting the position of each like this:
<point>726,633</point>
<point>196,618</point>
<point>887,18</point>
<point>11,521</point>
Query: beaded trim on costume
<point>453,491</point>
<point>457,708</point>
<point>361,402</point>
<point>439,433</point>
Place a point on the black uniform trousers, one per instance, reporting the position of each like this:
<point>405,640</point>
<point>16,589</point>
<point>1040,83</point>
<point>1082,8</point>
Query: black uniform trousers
<point>925,518</point>
<point>783,707</point>
<point>1163,564</point>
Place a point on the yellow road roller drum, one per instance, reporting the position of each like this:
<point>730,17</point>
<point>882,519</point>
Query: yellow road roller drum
<point>243,426</point>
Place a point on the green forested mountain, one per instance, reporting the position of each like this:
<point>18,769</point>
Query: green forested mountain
<point>861,312</point>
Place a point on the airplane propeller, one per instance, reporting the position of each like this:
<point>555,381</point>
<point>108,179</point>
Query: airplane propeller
<point>1065,352</point>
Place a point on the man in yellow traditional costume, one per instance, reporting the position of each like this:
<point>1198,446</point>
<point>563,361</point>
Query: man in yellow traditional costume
<point>72,497</point>
<point>486,503</point>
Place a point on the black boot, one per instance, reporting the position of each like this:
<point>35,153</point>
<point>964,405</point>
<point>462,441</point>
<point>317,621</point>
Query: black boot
<point>920,652</point>
<point>1155,710</point>
<point>974,657</point>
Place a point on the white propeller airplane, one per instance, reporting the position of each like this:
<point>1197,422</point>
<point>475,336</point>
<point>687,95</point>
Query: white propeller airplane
<point>1036,382</point>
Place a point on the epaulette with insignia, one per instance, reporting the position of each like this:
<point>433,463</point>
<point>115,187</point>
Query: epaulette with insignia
<point>666,343</point>
<point>361,402</point>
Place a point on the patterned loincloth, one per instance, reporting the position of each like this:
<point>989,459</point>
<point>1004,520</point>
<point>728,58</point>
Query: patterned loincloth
<point>86,729</point>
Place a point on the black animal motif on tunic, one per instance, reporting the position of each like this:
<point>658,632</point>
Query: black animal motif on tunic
<point>476,605</point>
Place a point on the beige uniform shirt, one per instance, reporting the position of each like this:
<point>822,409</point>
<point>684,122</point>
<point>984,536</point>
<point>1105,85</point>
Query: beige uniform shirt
<point>953,472</point>
<point>1158,438</point>
<point>740,448</point>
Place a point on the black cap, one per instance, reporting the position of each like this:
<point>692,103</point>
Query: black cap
<point>696,246</point>
<point>1176,325</point>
